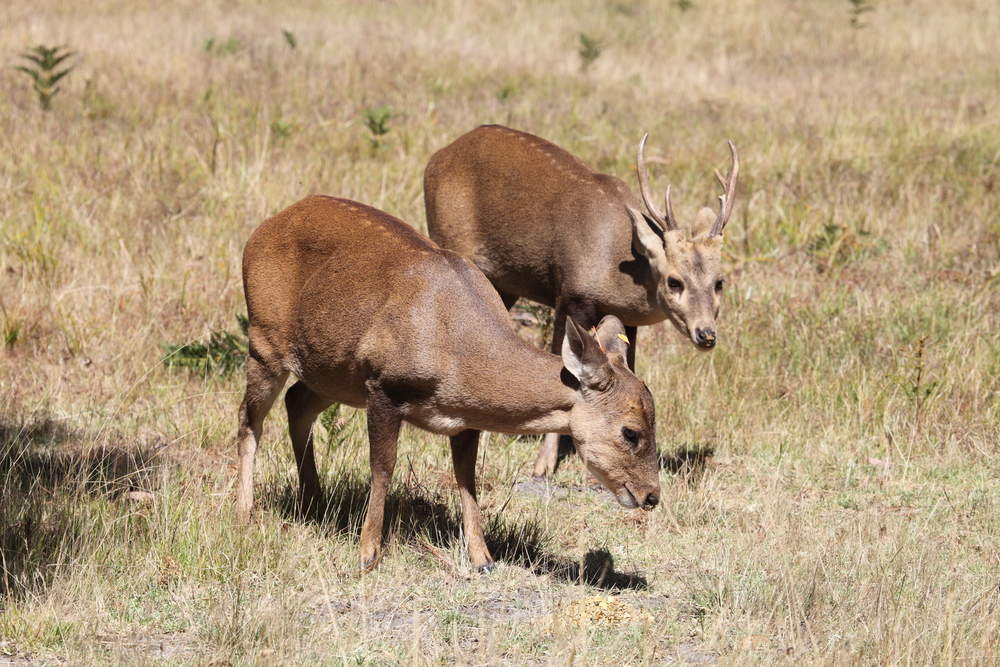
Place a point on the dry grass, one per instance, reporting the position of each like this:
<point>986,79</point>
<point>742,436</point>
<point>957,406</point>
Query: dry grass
<point>830,470</point>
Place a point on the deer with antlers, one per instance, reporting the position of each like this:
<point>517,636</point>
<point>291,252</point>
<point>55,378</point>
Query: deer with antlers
<point>541,224</point>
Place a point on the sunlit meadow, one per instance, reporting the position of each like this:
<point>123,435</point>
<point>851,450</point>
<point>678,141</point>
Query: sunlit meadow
<point>830,482</point>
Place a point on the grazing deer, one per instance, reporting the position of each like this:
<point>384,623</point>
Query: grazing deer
<point>541,224</point>
<point>366,311</point>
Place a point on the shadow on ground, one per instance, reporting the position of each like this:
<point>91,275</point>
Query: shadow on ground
<point>688,462</point>
<point>428,518</point>
<point>44,474</point>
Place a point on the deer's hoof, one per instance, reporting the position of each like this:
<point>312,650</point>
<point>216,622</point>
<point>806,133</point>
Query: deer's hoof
<point>368,564</point>
<point>543,469</point>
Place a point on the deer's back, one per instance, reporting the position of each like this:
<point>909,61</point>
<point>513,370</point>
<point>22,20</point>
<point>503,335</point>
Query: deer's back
<point>342,292</point>
<point>530,215</point>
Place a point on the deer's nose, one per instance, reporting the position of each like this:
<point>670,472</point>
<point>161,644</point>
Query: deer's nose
<point>651,501</point>
<point>705,337</point>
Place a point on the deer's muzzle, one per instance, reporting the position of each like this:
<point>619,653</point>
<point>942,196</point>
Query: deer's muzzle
<point>704,338</point>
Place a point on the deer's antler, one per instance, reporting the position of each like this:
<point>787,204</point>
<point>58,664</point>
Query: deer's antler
<point>667,222</point>
<point>728,197</point>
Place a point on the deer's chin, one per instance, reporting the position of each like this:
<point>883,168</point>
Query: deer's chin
<point>626,499</point>
<point>622,494</point>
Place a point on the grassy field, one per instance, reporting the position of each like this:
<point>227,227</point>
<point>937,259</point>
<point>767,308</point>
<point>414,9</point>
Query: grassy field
<point>830,471</point>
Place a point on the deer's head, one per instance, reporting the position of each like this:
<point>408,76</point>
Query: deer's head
<point>687,270</point>
<point>614,425</point>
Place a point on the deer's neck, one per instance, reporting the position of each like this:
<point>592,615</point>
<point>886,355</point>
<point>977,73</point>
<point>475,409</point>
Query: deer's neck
<point>507,389</point>
<point>633,285</point>
<point>526,395</point>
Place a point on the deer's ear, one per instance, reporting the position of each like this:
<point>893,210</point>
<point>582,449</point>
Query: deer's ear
<point>647,238</point>
<point>582,356</point>
<point>611,336</point>
<point>703,222</point>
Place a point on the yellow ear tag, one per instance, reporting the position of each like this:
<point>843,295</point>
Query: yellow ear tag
<point>624,338</point>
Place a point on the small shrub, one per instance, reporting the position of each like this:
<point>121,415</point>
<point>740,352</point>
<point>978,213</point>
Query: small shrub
<point>227,48</point>
<point>859,7</point>
<point>224,352</point>
<point>835,244</point>
<point>281,128</point>
<point>290,39</point>
<point>376,119</point>
<point>912,379</point>
<point>45,62</point>
<point>332,423</point>
<point>11,331</point>
<point>590,49</point>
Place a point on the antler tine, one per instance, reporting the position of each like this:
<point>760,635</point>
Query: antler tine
<point>667,222</point>
<point>728,197</point>
<point>670,210</point>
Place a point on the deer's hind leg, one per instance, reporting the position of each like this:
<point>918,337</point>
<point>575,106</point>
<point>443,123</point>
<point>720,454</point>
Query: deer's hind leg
<point>304,406</point>
<point>264,383</point>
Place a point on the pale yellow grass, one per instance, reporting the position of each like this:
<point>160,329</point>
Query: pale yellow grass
<point>815,511</point>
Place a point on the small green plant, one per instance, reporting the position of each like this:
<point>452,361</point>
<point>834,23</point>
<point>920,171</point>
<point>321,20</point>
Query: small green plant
<point>98,106</point>
<point>834,244</point>
<point>11,332</point>
<point>912,379</point>
<point>224,353</point>
<point>683,5</point>
<point>332,422</point>
<point>11,329</point>
<point>858,8</point>
<point>707,593</point>
<point>281,128</point>
<point>45,62</point>
<point>376,119</point>
<point>290,39</point>
<point>589,50</point>
<point>227,48</point>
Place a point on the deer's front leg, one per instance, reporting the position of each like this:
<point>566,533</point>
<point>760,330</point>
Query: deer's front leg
<point>464,449</point>
<point>631,333</point>
<point>548,455</point>
<point>383,432</point>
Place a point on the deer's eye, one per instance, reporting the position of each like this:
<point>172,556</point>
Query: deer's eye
<point>675,285</point>
<point>631,436</point>
<point>719,284</point>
